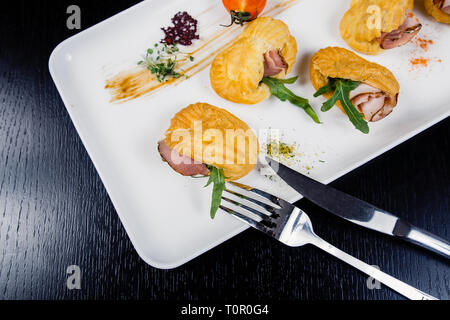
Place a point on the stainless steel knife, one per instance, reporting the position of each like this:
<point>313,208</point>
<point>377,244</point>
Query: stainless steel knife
<point>358,211</point>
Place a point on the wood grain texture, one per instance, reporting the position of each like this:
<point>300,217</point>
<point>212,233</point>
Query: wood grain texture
<point>55,212</point>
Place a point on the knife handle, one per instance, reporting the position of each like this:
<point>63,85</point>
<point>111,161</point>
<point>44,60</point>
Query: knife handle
<point>422,238</point>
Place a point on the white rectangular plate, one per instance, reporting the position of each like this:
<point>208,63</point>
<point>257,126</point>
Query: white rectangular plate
<point>165,214</point>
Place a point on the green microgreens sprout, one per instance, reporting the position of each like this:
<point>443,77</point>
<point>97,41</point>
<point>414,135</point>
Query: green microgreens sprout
<point>163,62</point>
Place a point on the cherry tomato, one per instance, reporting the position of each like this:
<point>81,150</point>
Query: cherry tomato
<point>244,10</point>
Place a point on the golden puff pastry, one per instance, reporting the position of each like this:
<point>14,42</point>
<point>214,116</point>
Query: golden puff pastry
<point>210,136</point>
<point>375,80</point>
<point>236,72</point>
<point>370,26</point>
<point>434,8</point>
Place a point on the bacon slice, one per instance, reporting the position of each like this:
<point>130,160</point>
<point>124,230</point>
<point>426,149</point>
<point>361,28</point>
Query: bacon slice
<point>371,102</point>
<point>273,63</point>
<point>405,32</point>
<point>180,163</point>
<point>443,5</point>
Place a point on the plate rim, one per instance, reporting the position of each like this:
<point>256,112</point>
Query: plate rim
<point>53,58</point>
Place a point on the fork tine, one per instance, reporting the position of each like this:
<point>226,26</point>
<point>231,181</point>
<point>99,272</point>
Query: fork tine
<point>270,208</point>
<point>271,198</point>
<point>267,219</point>
<point>253,223</point>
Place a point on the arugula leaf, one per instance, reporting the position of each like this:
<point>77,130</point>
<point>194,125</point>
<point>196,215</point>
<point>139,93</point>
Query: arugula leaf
<point>217,177</point>
<point>342,89</point>
<point>288,80</point>
<point>330,86</point>
<point>327,105</point>
<point>278,89</point>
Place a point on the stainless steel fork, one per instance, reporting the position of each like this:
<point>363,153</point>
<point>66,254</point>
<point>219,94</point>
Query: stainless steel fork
<point>290,225</point>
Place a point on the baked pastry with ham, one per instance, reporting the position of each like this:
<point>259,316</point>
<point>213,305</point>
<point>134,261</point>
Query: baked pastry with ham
<point>371,26</point>
<point>204,140</point>
<point>438,9</point>
<point>189,149</point>
<point>264,49</point>
<point>371,88</point>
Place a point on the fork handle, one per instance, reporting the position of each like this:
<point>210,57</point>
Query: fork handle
<point>393,283</point>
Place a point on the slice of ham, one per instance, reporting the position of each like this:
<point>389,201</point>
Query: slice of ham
<point>443,5</point>
<point>362,88</point>
<point>446,6</point>
<point>405,32</point>
<point>180,163</point>
<point>371,102</point>
<point>273,63</point>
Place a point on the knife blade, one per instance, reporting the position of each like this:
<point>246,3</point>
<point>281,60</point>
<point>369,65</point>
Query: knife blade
<point>359,211</point>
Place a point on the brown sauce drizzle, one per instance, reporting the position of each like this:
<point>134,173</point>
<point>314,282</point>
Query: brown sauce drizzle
<point>129,85</point>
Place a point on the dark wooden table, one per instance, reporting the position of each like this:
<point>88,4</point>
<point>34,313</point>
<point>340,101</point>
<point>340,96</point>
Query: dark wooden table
<point>55,212</point>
